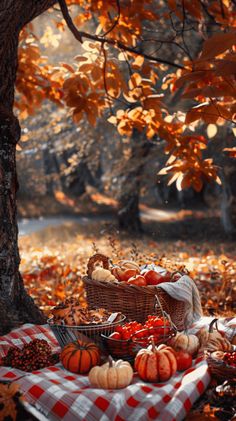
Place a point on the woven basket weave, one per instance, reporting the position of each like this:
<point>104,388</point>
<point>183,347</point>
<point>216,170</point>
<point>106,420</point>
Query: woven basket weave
<point>135,302</point>
<point>221,370</point>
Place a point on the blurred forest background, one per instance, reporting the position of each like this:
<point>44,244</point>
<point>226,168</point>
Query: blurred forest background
<point>77,169</point>
<point>86,189</point>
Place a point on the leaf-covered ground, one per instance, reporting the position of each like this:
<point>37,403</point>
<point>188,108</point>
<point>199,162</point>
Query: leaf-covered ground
<point>55,259</point>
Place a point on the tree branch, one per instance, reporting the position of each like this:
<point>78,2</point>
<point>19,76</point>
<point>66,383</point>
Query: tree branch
<point>116,21</point>
<point>79,35</point>
<point>69,22</point>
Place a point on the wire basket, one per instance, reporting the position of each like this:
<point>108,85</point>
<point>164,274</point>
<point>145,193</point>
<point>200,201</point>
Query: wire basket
<point>66,334</point>
<point>126,349</point>
<point>136,302</point>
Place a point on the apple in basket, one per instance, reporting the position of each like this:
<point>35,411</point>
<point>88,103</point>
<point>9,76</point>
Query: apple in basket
<point>154,278</point>
<point>138,280</point>
<point>127,274</point>
<point>125,270</point>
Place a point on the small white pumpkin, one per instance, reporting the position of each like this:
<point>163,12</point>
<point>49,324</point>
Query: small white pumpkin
<point>101,274</point>
<point>111,375</point>
<point>184,342</point>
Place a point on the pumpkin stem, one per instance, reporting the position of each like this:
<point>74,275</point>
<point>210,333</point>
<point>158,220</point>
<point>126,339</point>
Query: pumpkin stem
<point>110,360</point>
<point>211,325</point>
<point>153,344</point>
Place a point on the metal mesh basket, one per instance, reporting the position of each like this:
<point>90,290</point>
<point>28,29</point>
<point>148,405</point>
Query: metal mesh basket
<point>127,349</point>
<point>65,334</point>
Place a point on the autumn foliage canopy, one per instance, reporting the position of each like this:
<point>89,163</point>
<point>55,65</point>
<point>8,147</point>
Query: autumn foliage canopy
<point>137,57</point>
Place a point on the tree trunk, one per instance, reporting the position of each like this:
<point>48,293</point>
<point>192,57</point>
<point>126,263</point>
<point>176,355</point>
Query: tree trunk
<point>224,196</point>
<point>128,208</point>
<point>228,202</point>
<point>16,306</point>
<point>128,199</point>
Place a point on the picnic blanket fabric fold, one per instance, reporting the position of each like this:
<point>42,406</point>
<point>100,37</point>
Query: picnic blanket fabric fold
<point>61,395</point>
<point>185,290</point>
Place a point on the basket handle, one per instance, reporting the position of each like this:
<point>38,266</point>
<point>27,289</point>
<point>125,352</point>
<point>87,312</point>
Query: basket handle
<point>98,257</point>
<point>211,325</point>
<point>165,315</point>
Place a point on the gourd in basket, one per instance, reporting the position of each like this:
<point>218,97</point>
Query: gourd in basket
<point>136,302</point>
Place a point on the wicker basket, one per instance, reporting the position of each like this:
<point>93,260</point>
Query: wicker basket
<point>221,370</point>
<point>135,302</point>
<point>65,334</point>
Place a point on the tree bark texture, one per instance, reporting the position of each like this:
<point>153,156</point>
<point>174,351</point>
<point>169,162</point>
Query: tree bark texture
<point>228,202</point>
<point>128,200</point>
<point>224,196</point>
<point>16,306</point>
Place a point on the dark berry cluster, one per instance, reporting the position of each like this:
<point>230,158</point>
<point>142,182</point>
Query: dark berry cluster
<point>230,358</point>
<point>33,356</point>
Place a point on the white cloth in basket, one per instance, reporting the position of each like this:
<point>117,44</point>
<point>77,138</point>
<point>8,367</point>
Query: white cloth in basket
<point>185,290</point>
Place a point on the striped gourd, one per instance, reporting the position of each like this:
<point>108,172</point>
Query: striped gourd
<point>79,357</point>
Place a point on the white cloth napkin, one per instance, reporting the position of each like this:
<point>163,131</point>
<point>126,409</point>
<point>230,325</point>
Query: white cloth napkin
<point>185,290</point>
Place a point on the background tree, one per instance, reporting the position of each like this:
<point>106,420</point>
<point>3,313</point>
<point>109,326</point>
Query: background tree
<point>185,29</point>
<point>15,305</point>
<point>96,81</point>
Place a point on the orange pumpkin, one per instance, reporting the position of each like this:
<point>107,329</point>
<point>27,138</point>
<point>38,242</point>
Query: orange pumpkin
<point>155,364</point>
<point>79,357</point>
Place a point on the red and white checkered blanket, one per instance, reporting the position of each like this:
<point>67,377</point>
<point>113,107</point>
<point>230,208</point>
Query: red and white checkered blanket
<point>61,395</point>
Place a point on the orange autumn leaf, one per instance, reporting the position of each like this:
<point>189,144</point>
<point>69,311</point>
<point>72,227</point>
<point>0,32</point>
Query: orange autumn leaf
<point>217,44</point>
<point>127,65</point>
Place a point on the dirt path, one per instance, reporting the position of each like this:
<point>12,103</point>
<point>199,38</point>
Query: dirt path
<point>164,224</point>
